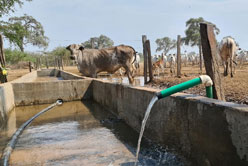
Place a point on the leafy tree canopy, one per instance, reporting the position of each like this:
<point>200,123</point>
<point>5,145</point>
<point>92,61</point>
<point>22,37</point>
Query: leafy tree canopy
<point>165,44</point>
<point>7,6</point>
<point>24,30</point>
<point>192,32</point>
<point>99,42</point>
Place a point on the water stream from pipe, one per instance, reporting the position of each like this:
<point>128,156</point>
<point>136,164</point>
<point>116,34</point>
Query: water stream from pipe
<point>147,113</point>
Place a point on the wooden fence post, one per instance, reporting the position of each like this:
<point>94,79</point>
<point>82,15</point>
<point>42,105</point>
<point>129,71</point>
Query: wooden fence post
<point>30,66</point>
<point>200,56</point>
<point>92,42</point>
<point>61,61</point>
<point>58,62</point>
<point>148,48</point>
<point>209,48</point>
<point>145,58</point>
<point>178,56</point>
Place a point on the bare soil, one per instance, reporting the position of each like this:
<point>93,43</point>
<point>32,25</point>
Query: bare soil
<point>236,88</point>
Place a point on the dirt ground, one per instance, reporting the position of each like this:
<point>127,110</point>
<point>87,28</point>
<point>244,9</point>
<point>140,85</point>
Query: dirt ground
<point>236,88</point>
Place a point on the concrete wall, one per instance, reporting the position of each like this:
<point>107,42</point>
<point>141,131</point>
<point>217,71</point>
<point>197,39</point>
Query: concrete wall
<point>208,131</point>
<point>58,73</point>
<point>7,95</point>
<point>48,92</point>
<point>6,102</point>
<point>23,91</point>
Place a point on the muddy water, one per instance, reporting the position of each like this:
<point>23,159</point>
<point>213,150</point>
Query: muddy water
<point>79,133</point>
<point>47,78</point>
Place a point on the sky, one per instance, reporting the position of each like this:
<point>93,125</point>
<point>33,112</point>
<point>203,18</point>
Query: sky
<point>125,21</point>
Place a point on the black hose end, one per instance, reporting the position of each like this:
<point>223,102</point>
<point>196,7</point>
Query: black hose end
<point>159,95</point>
<point>59,101</point>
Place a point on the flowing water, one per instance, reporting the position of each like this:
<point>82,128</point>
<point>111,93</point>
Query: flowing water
<point>147,113</point>
<point>79,133</point>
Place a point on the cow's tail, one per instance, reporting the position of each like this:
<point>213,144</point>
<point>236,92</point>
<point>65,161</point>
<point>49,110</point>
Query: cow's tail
<point>135,52</point>
<point>134,56</point>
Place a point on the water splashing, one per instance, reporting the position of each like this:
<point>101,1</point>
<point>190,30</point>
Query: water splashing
<point>148,110</point>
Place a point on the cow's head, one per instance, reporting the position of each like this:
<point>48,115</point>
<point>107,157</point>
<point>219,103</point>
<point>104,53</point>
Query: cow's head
<point>75,50</point>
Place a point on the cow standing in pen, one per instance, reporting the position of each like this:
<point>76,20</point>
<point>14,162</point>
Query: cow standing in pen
<point>172,61</point>
<point>227,51</point>
<point>92,61</point>
<point>158,65</point>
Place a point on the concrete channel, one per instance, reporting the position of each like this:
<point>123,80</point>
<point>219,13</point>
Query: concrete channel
<point>205,131</point>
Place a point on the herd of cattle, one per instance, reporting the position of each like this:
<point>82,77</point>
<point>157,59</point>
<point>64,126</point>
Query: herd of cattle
<point>92,61</point>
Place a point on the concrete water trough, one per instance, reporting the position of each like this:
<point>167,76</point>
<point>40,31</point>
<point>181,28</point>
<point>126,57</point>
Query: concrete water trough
<point>205,131</point>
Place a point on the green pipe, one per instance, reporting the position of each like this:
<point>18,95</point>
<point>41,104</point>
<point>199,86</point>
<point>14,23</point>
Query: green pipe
<point>209,91</point>
<point>188,84</point>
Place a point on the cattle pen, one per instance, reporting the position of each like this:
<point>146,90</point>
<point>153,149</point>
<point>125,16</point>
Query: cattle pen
<point>200,130</point>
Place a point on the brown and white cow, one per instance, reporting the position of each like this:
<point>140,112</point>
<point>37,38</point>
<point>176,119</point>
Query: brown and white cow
<point>227,52</point>
<point>92,61</point>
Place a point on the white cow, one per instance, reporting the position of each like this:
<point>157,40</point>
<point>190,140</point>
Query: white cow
<point>242,56</point>
<point>227,51</point>
<point>172,62</point>
<point>165,59</point>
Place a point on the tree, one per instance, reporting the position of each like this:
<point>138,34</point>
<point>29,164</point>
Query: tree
<point>98,42</point>
<point>193,36</point>
<point>24,30</point>
<point>7,6</point>
<point>14,56</point>
<point>165,44</point>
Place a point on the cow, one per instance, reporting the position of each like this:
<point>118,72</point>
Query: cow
<point>172,61</point>
<point>158,65</point>
<point>164,59</point>
<point>227,51</point>
<point>241,56</point>
<point>92,61</point>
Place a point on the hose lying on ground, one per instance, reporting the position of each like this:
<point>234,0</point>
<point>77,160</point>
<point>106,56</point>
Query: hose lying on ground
<point>11,145</point>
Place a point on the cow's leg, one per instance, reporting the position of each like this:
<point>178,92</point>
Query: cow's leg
<point>129,74</point>
<point>225,65</point>
<point>231,66</point>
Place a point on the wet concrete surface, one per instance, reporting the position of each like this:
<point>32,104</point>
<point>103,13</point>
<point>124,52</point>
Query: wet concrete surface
<point>79,133</point>
<point>47,78</point>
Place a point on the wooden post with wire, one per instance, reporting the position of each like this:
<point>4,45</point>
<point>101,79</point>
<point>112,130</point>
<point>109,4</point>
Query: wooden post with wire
<point>144,38</point>
<point>209,49</point>
<point>30,66</point>
<point>148,48</point>
<point>178,56</point>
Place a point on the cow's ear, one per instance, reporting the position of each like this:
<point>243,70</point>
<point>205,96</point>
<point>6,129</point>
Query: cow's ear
<point>68,47</point>
<point>81,48</point>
